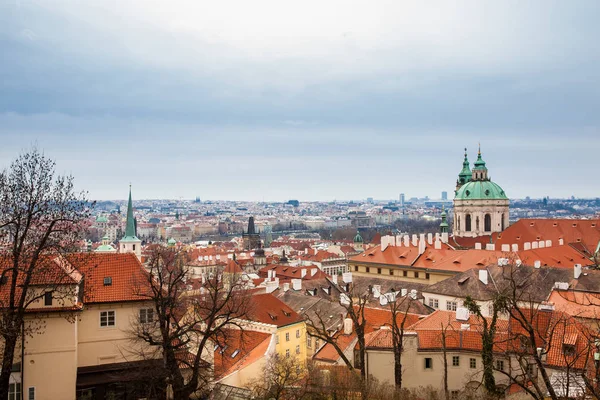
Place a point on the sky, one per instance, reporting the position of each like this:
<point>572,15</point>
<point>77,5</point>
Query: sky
<point>309,100</point>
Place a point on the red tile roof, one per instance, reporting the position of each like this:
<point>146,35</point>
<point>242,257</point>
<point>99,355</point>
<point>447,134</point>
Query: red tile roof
<point>238,350</point>
<point>268,309</point>
<point>129,279</point>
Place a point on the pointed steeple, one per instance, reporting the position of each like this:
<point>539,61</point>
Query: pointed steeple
<point>130,225</point>
<point>479,169</point>
<point>251,229</point>
<point>465,174</point>
<point>444,223</point>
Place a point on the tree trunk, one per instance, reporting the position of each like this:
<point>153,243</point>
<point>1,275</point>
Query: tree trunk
<point>487,358</point>
<point>10,343</point>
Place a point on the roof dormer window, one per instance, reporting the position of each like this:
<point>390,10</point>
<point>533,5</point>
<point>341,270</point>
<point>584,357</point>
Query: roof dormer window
<point>107,281</point>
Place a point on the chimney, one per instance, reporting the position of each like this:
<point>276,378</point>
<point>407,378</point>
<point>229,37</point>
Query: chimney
<point>490,247</point>
<point>437,236</point>
<point>506,247</point>
<point>406,241</point>
<point>437,244</point>
<point>430,238</point>
<point>548,243</point>
<point>444,237</point>
<point>313,271</point>
<point>376,291</point>
<point>403,292</point>
<point>302,272</point>
<point>414,240</point>
<point>297,284</point>
<point>383,300</point>
<point>462,314</point>
<point>413,294</point>
<point>477,246</point>
<point>515,247</point>
<point>542,244</point>
<point>561,241</point>
<point>527,246</point>
<point>286,287</point>
<point>534,245</point>
<point>537,264</point>
<point>347,277</point>
<point>334,278</point>
<point>465,327</point>
<point>273,274</point>
<point>384,243</point>
<point>344,299</point>
<point>577,271</point>
<point>421,246</point>
<point>398,240</point>
<point>347,326</point>
<point>483,276</point>
<point>272,286</point>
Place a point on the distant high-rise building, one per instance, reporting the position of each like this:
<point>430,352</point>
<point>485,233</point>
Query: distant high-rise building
<point>444,195</point>
<point>402,199</point>
<point>370,200</point>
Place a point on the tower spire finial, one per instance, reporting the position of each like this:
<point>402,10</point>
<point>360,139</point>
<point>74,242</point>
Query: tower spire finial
<point>479,150</point>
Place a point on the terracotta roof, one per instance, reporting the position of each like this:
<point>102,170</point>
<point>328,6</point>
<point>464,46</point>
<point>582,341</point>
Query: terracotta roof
<point>287,272</point>
<point>238,350</point>
<point>127,275</point>
<point>268,309</point>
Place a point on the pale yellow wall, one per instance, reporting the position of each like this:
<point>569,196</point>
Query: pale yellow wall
<point>51,358</point>
<point>104,345</point>
<point>398,273</point>
<point>294,341</point>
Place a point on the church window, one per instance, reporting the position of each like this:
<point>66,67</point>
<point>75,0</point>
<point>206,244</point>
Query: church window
<point>468,223</point>
<point>487,222</point>
<point>459,223</point>
<point>477,224</point>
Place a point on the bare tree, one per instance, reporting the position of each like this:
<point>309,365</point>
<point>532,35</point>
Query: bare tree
<point>283,378</point>
<point>399,307</point>
<point>188,323</point>
<point>354,301</point>
<point>41,217</point>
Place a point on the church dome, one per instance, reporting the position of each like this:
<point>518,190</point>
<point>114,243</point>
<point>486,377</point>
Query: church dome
<point>480,190</point>
<point>358,238</point>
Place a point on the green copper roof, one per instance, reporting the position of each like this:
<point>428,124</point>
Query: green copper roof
<point>171,242</point>
<point>130,225</point>
<point>101,218</point>
<point>105,248</point>
<point>479,164</point>
<point>358,238</point>
<point>444,223</point>
<point>478,190</point>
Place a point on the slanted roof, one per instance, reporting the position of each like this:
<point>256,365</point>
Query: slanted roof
<point>268,309</point>
<point>239,349</point>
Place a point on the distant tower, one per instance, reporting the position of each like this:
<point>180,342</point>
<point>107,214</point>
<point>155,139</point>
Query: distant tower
<point>268,235</point>
<point>465,173</point>
<point>251,238</point>
<point>260,259</point>
<point>444,226</point>
<point>130,242</point>
<point>444,195</point>
<point>480,206</point>
<point>105,247</point>
<point>358,242</point>
<point>402,198</point>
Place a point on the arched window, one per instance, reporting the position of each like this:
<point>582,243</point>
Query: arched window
<point>487,222</point>
<point>502,222</point>
<point>477,224</point>
<point>468,223</point>
<point>458,224</point>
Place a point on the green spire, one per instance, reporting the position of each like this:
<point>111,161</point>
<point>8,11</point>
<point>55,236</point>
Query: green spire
<point>465,174</point>
<point>444,224</point>
<point>130,225</point>
<point>358,238</point>
<point>479,164</point>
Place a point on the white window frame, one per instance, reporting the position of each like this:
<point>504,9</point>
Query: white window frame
<point>434,303</point>
<point>287,336</point>
<point>15,394</point>
<point>145,319</point>
<point>451,305</point>
<point>107,319</point>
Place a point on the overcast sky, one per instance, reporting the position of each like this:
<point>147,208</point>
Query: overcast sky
<point>310,100</point>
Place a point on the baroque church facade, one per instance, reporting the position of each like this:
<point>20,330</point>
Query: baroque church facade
<point>481,206</point>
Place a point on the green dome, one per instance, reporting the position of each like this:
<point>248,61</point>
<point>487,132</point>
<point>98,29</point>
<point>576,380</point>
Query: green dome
<point>171,242</point>
<point>101,218</point>
<point>358,238</point>
<point>480,190</point>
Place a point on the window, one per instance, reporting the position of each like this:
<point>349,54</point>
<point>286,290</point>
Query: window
<point>287,353</point>
<point>468,223</point>
<point>31,393</point>
<point>451,305</point>
<point>287,337</point>
<point>297,333</point>
<point>472,363</point>
<point>568,350</point>
<point>298,349</point>
<point>316,344</point>
<point>416,274</point>
<point>428,363</point>
<point>379,271</point>
<point>356,268</point>
<point>455,361</point>
<point>433,303</point>
<point>531,370</point>
<point>368,269</point>
<point>48,298</point>
<point>500,365</point>
<point>107,318</point>
<point>391,272</point>
<point>404,273</point>
<point>309,341</point>
<point>487,222</point>
<point>276,339</point>
<point>146,315</point>
<point>14,391</point>
<point>134,247</point>
<point>426,275</point>
<point>454,394</point>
